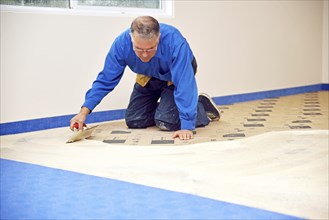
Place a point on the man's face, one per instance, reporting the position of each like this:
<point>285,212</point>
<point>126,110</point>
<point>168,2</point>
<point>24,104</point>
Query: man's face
<point>145,49</point>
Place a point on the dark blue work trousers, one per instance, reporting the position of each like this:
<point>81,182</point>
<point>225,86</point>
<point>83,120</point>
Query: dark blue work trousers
<point>154,104</point>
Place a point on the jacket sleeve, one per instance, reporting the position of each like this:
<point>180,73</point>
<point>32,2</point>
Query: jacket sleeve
<point>186,91</point>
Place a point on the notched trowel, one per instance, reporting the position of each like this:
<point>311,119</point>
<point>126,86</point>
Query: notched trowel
<point>82,134</point>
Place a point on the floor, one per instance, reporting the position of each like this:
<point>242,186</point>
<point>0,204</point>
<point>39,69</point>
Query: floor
<point>265,159</point>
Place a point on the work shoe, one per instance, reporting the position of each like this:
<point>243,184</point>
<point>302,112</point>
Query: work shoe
<point>161,125</point>
<point>210,107</point>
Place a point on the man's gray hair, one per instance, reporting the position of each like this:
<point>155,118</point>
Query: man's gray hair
<point>146,27</point>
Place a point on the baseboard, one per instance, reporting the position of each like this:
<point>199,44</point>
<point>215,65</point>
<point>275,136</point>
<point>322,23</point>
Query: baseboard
<point>226,100</point>
<point>57,122</point>
<point>63,121</point>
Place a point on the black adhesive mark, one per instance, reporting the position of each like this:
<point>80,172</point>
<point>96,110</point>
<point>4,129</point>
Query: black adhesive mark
<point>266,106</point>
<point>253,125</point>
<point>300,127</point>
<point>115,141</point>
<point>120,132</point>
<point>302,121</point>
<point>162,142</point>
<point>264,110</point>
<point>311,109</point>
<point>311,102</point>
<point>312,113</point>
<point>234,135</point>
<point>256,119</point>
<point>268,103</point>
<point>311,106</point>
<point>258,115</point>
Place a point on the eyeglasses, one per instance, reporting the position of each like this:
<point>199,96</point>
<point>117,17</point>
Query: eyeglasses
<point>138,50</point>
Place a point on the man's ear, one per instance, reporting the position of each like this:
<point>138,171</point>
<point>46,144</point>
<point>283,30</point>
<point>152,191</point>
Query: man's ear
<point>131,36</point>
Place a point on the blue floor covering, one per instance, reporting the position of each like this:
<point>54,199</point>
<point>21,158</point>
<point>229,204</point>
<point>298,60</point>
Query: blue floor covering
<point>35,192</point>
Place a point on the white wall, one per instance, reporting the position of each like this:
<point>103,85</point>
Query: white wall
<point>325,39</point>
<point>49,61</point>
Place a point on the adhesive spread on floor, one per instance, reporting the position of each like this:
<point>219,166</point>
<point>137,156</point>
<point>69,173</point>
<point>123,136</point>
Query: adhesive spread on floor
<point>295,112</point>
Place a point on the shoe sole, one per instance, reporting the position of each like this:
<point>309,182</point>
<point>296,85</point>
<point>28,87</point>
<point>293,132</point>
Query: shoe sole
<point>210,107</point>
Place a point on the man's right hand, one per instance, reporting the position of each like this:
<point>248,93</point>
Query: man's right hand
<point>79,119</point>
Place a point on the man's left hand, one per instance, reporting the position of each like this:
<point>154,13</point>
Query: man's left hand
<point>183,134</point>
